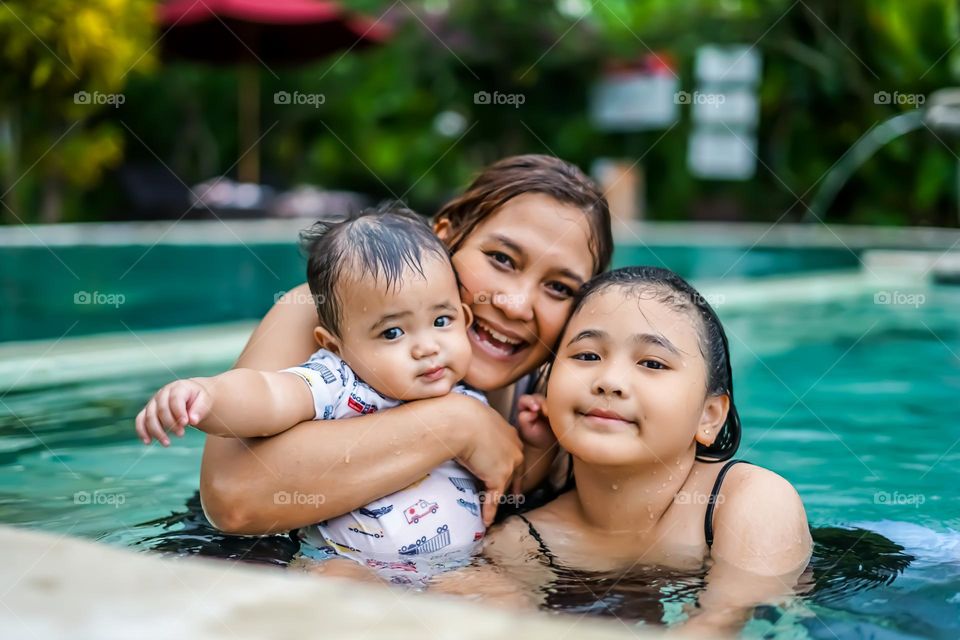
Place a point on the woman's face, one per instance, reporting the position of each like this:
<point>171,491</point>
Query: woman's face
<point>520,269</point>
<point>628,385</point>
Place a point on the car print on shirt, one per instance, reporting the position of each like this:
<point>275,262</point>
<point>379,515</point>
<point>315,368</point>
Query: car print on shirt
<point>376,513</point>
<point>323,370</point>
<point>418,510</point>
<point>356,403</point>
<point>472,507</point>
<point>367,532</point>
<point>404,565</point>
<point>428,545</point>
<point>464,484</point>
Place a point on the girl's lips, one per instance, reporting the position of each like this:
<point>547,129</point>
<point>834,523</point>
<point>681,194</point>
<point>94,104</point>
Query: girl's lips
<point>609,419</point>
<point>492,347</point>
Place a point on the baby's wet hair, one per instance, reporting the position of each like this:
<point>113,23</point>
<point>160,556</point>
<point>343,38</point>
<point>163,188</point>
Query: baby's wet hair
<point>382,242</point>
<point>667,287</point>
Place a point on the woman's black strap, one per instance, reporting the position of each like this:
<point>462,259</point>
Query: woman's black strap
<point>708,519</point>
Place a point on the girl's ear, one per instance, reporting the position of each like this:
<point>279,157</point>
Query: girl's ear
<point>326,340</point>
<point>442,229</point>
<point>711,420</point>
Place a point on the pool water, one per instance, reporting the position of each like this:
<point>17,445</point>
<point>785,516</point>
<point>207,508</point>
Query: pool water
<point>855,402</point>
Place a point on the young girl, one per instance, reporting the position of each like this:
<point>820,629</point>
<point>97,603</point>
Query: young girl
<point>640,393</point>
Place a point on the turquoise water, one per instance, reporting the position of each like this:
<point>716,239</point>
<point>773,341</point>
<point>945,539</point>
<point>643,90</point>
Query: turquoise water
<point>854,402</point>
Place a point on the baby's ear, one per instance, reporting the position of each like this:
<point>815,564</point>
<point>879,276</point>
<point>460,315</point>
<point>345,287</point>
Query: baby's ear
<point>442,229</point>
<point>467,315</point>
<point>326,340</point>
<point>711,420</point>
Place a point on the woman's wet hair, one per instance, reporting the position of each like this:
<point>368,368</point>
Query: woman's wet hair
<point>381,242</point>
<point>667,287</point>
<point>517,175</point>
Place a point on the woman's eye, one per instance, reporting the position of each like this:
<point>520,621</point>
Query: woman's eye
<point>500,258</point>
<point>586,356</point>
<point>443,321</point>
<point>392,333</point>
<point>561,289</point>
<point>652,364</point>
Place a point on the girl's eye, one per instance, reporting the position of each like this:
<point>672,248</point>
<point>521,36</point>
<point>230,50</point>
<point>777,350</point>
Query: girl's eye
<point>500,258</point>
<point>561,290</point>
<point>443,321</point>
<point>392,333</point>
<point>652,364</point>
<point>586,356</point>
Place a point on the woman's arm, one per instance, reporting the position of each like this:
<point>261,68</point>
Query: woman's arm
<point>315,470</point>
<point>318,470</point>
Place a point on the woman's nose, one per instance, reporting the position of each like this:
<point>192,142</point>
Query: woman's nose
<point>516,304</point>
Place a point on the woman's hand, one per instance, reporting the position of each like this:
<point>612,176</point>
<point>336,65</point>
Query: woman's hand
<point>491,450</point>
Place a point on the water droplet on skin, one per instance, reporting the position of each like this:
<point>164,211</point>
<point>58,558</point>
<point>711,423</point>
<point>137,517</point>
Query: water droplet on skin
<point>662,485</point>
<point>670,477</point>
<point>614,487</point>
<point>346,460</point>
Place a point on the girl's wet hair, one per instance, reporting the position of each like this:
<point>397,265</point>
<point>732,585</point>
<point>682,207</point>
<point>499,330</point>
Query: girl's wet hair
<point>667,287</point>
<point>382,243</point>
<point>518,175</point>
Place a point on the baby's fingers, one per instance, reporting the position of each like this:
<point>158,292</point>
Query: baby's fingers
<point>141,427</point>
<point>153,426</point>
<point>180,398</point>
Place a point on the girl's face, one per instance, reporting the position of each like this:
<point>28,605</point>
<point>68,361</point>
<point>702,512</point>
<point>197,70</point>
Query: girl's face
<point>519,270</point>
<point>628,385</point>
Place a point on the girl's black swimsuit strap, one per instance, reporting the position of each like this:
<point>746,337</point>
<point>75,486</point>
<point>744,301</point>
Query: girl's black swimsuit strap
<point>708,519</point>
<point>544,550</point>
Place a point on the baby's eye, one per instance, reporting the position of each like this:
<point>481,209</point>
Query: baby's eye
<point>652,364</point>
<point>392,333</point>
<point>586,356</point>
<point>443,321</point>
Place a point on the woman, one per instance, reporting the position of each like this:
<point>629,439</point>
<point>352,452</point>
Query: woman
<point>523,238</point>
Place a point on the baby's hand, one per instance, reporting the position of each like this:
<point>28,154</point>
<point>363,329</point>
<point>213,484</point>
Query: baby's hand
<point>172,408</point>
<point>532,422</point>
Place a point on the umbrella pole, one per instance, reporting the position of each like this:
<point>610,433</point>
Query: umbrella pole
<point>248,168</point>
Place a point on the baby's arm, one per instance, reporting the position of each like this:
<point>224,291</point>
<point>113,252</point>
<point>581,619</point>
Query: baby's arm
<point>252,403</point>
<point>762,547</point>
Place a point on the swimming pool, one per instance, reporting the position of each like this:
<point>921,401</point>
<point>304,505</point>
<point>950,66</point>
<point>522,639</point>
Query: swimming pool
<point>853,399</point>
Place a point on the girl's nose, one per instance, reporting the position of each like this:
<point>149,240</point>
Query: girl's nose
<point>607,384</point>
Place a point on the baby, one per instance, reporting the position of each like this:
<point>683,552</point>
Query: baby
<point>391,329</point>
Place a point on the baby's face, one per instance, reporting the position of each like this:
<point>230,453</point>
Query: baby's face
<point>410,342</point>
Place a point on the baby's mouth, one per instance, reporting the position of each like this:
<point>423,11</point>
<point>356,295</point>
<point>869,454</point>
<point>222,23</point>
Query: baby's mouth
<point>494,342</point>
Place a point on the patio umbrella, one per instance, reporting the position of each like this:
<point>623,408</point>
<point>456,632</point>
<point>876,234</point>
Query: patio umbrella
<point>253,33</point>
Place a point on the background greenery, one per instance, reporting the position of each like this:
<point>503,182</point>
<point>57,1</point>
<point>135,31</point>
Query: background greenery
<point>377,131</point>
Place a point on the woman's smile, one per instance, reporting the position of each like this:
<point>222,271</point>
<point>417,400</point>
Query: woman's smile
<point>495,341</point>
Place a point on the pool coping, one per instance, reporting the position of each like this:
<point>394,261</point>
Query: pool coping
<point>56,586</point>
<point>627,233</point>
<point>45,363</point>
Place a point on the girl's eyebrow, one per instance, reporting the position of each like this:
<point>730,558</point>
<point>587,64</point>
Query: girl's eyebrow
<point>513,246</point>
<point>654,339</point>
